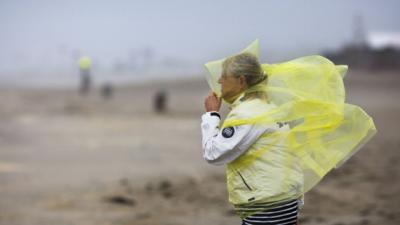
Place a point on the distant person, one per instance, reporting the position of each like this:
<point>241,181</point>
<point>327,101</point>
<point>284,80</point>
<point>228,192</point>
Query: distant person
<point>85,64</point>
<point>160,101</point>
<point>107,90</point>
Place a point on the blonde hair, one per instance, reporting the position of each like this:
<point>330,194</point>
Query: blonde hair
<point>245,64</point>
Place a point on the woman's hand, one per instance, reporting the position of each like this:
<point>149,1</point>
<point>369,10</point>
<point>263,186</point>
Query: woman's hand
<point>212,102</point>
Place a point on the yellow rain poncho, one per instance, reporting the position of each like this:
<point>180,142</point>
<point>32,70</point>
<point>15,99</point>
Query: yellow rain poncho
<point>309,95</point>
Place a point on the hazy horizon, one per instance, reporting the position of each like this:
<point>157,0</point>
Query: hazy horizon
<point>48,36</point>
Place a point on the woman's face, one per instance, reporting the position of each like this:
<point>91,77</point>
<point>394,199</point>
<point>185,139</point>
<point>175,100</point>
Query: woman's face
<point>231,86</point>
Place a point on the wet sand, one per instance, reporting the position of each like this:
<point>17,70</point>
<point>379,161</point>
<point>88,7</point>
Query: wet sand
<point>65,159</point>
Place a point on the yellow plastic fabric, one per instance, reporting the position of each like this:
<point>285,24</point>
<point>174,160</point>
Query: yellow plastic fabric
<point>215,67</point>
<point>309,95</point>
<point>85,63</point>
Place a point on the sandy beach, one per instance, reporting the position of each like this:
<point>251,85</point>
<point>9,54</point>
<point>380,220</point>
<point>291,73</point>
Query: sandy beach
<point>67,159</point>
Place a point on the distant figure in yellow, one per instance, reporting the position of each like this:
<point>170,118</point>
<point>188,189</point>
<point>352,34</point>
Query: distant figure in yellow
<point>85,64</point>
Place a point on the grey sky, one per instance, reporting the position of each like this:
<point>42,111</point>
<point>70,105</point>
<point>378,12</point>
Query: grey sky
<point>39,33</point>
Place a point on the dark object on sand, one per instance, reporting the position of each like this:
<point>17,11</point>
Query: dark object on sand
<point>120,200</point>
<point>164,185</point>
<point>165,188</point>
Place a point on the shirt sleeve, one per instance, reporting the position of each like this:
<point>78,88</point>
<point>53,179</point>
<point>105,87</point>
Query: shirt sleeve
<point>224,146</point>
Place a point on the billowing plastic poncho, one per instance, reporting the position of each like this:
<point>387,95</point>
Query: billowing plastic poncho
<point>309,95</point>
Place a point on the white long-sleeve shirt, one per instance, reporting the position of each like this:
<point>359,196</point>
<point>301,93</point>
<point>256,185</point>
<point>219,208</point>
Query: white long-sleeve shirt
<point>224,146</point>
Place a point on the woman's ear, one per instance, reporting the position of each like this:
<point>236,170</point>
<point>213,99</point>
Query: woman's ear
<point>242,81</point>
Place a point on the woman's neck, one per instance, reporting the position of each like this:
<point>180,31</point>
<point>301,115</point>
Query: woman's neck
<point>233,98</point>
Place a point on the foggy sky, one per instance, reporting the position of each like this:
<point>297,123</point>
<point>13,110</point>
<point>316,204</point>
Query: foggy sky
<point>42,33</point>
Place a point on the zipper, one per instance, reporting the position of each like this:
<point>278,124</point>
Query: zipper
<point>244,181</point>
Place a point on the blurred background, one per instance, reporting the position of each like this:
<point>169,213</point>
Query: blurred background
<point>100,105</point>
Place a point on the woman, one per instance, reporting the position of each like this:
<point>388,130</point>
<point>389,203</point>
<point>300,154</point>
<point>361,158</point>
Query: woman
<point>264,188</point>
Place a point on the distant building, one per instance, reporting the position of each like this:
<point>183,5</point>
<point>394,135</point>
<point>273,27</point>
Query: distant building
<point>382,40</point>
<point>369,50</point>
<point>380,51</point>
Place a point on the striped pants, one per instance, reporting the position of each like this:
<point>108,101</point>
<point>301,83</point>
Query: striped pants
<point>283,214</point>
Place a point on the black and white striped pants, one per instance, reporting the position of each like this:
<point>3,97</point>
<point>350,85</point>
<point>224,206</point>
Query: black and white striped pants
<point>285,213</point>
